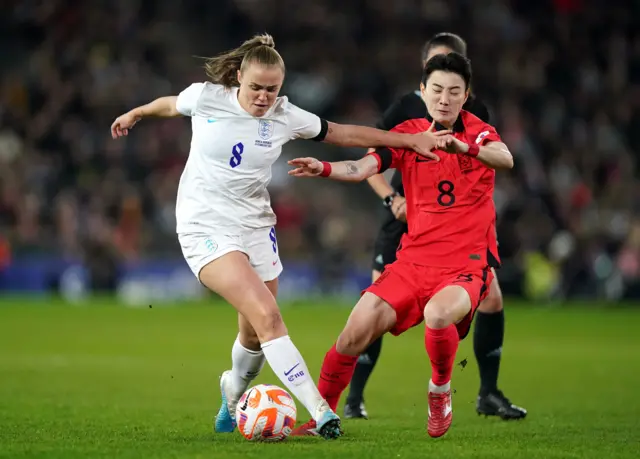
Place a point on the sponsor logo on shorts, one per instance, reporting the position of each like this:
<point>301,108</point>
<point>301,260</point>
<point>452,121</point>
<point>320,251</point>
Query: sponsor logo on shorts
<point>210,245</point>
<point>464,278</point>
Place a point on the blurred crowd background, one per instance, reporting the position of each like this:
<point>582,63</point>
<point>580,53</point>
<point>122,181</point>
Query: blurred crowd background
<point>561,78</point>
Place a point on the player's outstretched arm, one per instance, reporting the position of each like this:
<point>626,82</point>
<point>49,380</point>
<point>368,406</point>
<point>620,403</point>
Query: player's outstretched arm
<point>348,135</point>
<point>164,107</point>
<point>346,171</point>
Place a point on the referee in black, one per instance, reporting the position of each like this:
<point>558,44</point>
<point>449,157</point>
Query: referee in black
<point>489,320</point>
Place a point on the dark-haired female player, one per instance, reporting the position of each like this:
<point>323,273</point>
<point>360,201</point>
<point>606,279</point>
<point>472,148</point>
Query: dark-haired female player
<point>489,328</point>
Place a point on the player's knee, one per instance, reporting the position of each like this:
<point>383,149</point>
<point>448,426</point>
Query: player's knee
<point>268,324</point>
<point>438,314</point>
<point>352,342</point>
<point>447,307</point>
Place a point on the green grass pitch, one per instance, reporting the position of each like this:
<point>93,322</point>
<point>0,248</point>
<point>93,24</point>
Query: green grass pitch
<point>104,381</point>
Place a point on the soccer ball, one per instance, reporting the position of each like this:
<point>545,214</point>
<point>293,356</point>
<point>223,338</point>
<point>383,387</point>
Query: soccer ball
<point>266,412</point>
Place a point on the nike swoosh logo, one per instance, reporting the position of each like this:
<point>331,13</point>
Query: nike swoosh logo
<point>211,120</point>
<point>274,263</point>
<point>423,160</point>
<point>286,373</point>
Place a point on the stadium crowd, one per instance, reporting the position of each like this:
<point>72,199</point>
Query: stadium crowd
<point>561,78</point>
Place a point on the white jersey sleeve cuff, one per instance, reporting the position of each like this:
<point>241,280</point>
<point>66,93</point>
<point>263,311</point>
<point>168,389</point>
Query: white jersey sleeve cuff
<point>303,124</point>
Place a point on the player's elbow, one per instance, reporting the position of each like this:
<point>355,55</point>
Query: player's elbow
<point>504,159</point>
<point>508,161</point>
<point>168,106</point>
<point>368,170</point>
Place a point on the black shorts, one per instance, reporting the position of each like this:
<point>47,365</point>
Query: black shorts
<point>387,242</point>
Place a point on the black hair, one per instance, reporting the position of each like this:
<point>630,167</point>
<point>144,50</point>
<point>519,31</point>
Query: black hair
<point>452,41</point>
<point>452,62</point>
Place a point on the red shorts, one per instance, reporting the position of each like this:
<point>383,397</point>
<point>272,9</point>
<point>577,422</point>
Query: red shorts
<point>408,287</point>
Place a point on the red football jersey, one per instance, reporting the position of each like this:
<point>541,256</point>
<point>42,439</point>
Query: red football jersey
<point>450,211</point>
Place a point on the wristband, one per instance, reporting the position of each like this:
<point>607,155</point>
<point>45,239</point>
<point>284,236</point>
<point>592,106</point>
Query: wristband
<point>473,151</point>
<point>326,169</point>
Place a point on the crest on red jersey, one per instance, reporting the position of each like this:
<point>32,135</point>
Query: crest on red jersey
<point>465,163</point>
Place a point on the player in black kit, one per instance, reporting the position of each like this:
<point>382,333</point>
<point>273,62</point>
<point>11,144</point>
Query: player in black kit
<point>489,328</point>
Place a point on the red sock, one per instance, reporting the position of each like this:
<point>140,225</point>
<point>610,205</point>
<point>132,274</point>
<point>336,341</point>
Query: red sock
<point>335,375</point>
<point>441,345</point>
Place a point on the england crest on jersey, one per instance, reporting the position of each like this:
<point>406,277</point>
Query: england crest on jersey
<point>265,129</point>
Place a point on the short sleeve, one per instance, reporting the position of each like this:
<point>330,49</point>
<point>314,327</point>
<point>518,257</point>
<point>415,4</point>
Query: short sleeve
<point>188,99</point>
<point>487,134</point>
<point>388,158</point>
<point>303,124</point>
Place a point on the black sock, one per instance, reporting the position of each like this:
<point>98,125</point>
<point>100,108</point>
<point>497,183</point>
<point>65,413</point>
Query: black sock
<point>487,345</point>
<point>364,367</point>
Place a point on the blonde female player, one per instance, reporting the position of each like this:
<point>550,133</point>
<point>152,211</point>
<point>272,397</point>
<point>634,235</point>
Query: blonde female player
<point>225,223</point>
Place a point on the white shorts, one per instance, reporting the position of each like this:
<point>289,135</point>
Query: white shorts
<point>260,245</point>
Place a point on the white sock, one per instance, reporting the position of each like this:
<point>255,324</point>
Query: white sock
<point>439,389</point>
<point>246,365</point>
<point>287,363</point>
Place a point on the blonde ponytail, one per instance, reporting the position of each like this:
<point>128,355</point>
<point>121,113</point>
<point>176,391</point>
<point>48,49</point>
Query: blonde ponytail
<point>223,69</point>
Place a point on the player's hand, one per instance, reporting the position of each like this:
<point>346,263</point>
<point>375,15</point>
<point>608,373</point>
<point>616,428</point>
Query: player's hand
<point>450,144</point>
<point>427,141</point>
<point>399,208</point>
<point>123,123</point>
<point>306,167</point>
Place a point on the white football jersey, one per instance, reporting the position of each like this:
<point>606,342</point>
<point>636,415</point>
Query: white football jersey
<point>224,182</point>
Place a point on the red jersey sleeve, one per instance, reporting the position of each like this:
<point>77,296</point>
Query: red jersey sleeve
<point>392,158</point>
<point>487,133</point>
<point>388,158</point>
